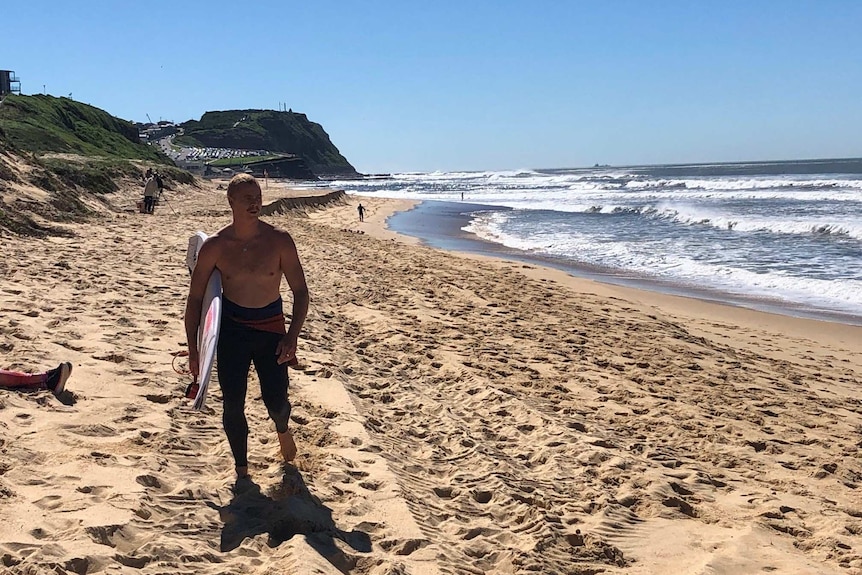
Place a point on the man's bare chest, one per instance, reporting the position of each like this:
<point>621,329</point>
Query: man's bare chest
<point>238,263</point>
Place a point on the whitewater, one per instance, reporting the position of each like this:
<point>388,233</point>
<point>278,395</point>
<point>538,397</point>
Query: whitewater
<point>786,233</point>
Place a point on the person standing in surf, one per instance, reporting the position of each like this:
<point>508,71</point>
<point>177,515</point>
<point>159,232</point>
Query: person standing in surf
<point>252,256</point>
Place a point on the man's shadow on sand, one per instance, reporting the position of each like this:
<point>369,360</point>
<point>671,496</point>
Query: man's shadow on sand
<point>290,510</point>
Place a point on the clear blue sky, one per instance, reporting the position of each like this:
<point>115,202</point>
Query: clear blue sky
<point>475,84</point>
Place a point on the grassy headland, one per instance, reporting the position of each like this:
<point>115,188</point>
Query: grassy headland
<point>277,132</point>
<point>41,124</point>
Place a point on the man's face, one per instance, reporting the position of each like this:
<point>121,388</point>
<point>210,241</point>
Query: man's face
<point>246,200</point>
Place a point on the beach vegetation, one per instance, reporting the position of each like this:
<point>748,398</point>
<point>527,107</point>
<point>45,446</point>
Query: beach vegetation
<point>96,175</point>
<point>20,224</point>
<point>6,172</point>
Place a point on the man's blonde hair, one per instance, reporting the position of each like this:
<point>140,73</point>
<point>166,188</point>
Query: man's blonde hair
<point>239,181</point>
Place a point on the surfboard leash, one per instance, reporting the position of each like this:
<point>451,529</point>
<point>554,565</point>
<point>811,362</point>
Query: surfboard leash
<point>179,368</point>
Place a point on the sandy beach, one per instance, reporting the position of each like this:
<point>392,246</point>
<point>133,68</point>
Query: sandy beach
<point>454,414</point>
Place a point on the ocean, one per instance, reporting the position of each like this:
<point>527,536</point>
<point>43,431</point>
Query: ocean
<point>776,236</point>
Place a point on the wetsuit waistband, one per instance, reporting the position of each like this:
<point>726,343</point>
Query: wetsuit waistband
<point>268,318</point>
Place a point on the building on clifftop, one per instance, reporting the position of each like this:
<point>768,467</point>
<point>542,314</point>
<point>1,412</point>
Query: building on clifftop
<point>9,83</point>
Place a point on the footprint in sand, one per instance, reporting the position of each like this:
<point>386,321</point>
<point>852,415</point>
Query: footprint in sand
<point>49,502</point>
<point>446,492</point>
<point>403,546</point>
<point>371,485</point>
<point>95,490</point>
<point>96,430</point>
<point>112,357</point>
<point>104,534</point>
<point>149,481</point>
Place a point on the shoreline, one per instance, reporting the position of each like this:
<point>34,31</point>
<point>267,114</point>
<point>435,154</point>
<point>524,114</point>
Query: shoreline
<point>445,232</point>
<point>690,307</point>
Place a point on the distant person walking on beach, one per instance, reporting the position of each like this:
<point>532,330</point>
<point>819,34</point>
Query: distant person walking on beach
<point>151,191</point>
<point>53,379</point>
<point>252,256</point>
<point>361,209</point>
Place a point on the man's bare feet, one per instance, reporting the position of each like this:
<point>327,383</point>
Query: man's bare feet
<point>288,446</point>
<point>241,471</point>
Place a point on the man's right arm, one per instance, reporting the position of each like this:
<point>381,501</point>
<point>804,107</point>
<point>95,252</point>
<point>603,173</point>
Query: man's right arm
<point>206,263</point>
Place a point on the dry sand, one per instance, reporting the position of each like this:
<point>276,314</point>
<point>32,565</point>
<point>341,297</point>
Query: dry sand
<point>453,414</point>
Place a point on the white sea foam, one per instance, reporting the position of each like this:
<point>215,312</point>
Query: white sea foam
<point>526,185</point>
<point>791,236</point>
<point>837,294</point>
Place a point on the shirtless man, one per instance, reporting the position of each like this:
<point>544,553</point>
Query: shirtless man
<point>251,256</point>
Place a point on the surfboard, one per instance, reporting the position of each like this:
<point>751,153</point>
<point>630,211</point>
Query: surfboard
<point>210,320</point>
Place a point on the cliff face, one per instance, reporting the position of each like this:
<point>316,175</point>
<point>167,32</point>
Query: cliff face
<point>283,132</point>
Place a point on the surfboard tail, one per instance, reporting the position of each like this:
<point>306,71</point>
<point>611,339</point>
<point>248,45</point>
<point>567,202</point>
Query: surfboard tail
<point>201,398</point>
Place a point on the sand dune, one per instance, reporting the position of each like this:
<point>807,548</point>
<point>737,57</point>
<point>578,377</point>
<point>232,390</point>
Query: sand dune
<point>453,415</point>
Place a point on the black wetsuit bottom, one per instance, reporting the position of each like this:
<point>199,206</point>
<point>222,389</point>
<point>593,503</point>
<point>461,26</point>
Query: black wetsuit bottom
<point>238,347</point>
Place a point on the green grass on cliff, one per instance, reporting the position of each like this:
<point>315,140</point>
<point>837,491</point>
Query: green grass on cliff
<point>41,124</point>
<point>228,162</point>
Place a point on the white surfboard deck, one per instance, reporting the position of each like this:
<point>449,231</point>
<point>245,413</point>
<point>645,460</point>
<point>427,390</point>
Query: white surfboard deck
<point>210,320</point>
